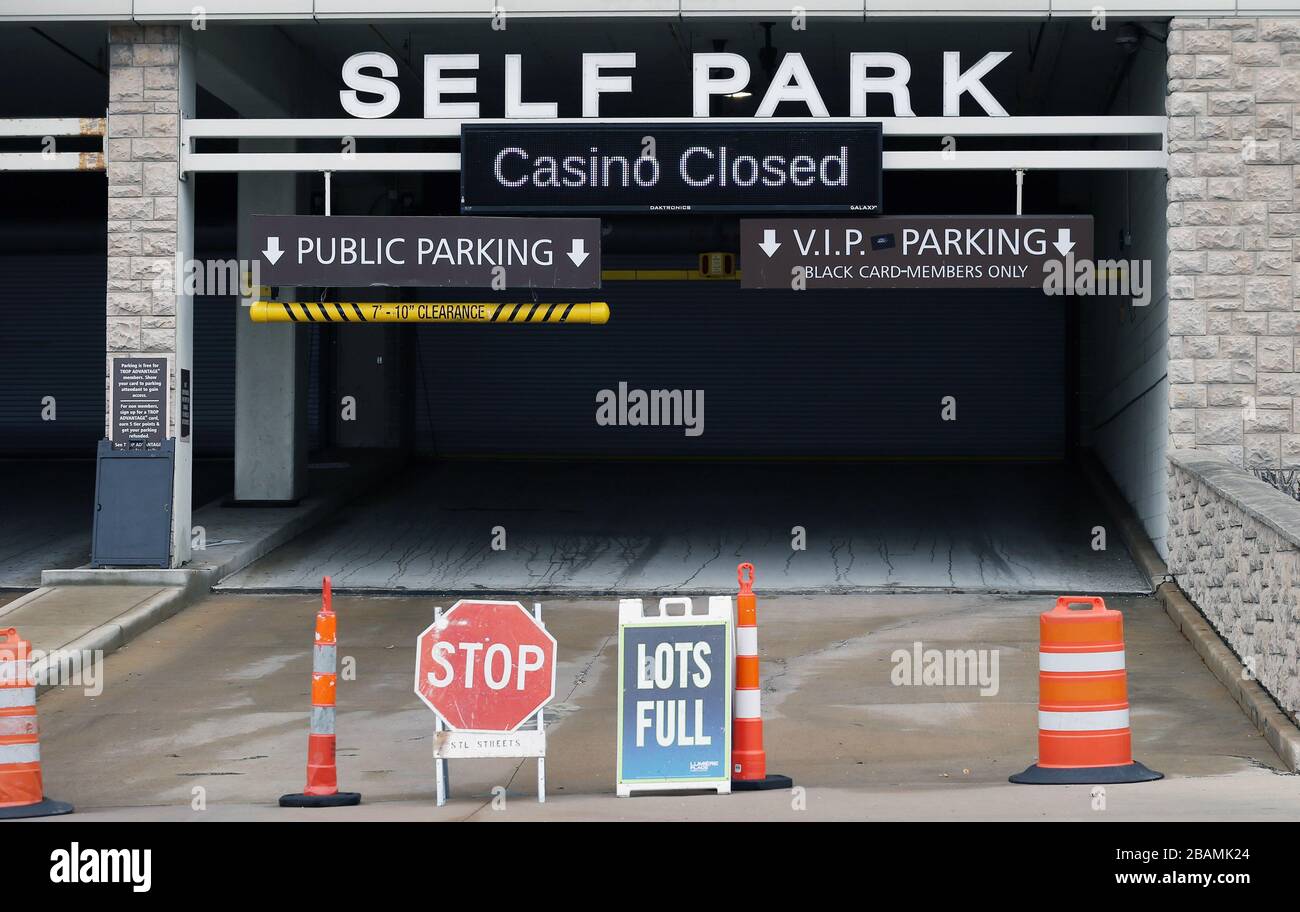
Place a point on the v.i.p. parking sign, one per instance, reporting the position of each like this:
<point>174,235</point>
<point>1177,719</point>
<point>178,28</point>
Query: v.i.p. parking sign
<point>674,695</point>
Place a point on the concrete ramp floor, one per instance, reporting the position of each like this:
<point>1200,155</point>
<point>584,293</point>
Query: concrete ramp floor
<point>216,697</point>
<point>623,527</point>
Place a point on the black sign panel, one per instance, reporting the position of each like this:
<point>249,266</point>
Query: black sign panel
<point>357,251</point>
<point>709,167</point>
<point>911,252</point>
<point>139,402</point>
<point>185,403</point>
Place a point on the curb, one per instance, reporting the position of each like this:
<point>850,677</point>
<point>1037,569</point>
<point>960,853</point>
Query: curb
<point>120,630</point>
<point>1276,726</point>
<point>181,587</point>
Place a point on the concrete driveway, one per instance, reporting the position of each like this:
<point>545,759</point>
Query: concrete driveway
<point>216,699</point>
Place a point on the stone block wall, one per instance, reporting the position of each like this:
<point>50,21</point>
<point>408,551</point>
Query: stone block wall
<point>1234,238</point>
<point>1234,549</point>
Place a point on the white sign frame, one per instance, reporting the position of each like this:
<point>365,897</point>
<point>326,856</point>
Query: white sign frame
<point>632,612</point>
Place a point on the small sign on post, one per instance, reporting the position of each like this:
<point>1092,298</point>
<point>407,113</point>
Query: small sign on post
<point>139,403</point>
<point>485,668</point>
<point>674,696</point>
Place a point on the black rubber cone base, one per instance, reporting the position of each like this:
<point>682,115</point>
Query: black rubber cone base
<point>773,781</point>
<point>337,800</point>
<point>46,807</point>
<point>1087,775</point>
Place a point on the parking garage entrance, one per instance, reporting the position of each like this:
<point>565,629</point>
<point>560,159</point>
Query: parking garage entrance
<point>842,439</point>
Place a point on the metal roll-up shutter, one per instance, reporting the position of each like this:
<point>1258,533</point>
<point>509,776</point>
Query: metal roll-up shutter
<point>54,307</point>
<point>798,374</point>
<point>54,345</point>
<point>213,393</point>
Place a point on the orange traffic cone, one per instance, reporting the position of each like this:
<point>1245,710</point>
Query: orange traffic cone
<point>21,790</point>
<point>322,777</point>
<point>1083,723</point>
<point>748,759</point>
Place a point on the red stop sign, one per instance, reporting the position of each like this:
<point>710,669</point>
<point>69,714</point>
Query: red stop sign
<point>485,666</point>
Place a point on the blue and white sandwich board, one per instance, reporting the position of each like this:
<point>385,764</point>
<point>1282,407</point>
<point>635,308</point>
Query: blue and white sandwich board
<point>674,696</point>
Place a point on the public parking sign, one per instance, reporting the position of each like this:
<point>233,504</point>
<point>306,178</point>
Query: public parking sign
<point>674,696</point>
<point>485,666</point>
<point>910,252</point>
<point>357,251</point>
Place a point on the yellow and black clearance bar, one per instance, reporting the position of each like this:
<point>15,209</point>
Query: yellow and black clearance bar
<point>712,266</point>
<point>591,312</point>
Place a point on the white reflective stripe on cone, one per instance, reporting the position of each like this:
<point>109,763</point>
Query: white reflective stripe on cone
<point>325,659</point>
<point>322,720</point>
<point>14,672</point>
<point>1081,661</point>
<point>746,641</point>
<point>1103,720</point>
<point>17,725</point>
<point>13,697</point>
<point>20,753</point>
<point>748,704</point>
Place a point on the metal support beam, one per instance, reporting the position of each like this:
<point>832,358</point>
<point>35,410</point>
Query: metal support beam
<point>448,128</point>
<point>1151,127</point>
<point>235,162</point>
<point>1028,160</point>
<point>54,161</point>
<point>51,126</point>
<point>39,129</point>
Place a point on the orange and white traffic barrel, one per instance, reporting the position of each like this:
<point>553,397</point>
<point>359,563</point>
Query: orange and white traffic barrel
<point>21,789</point>
<point>1083,711</point>
<point>748,758</point>
<point>322,775</point>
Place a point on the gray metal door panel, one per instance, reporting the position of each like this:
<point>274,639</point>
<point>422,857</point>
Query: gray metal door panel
<point>133,499</point>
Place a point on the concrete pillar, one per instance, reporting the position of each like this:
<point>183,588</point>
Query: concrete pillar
<point>151,226</point>
<point>270,370</point>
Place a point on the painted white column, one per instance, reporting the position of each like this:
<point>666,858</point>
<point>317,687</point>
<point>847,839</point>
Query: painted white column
<point>183,480</point>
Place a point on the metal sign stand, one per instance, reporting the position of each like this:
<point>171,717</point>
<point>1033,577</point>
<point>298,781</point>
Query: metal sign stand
<point>528,744</point>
